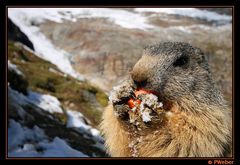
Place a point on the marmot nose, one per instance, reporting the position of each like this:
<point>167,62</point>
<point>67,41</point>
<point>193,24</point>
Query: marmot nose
<point>140,80</point>
<point>140,84</point>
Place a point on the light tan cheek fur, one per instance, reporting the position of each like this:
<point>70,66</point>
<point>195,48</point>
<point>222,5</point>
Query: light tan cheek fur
<point>116,137</point>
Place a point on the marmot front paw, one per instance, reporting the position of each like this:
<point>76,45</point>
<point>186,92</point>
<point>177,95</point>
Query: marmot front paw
<point>119,97</point>
<point>135,105</point>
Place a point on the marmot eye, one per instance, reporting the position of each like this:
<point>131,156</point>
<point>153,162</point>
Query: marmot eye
<point>181,61</point>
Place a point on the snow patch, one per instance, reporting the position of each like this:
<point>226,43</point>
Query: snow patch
<point>26,20</point>
<point>76,120</point>
<point>126,19</point>
<point>46,102</point>
<point>26,142</point>
<point>17,134</point>
<point>59,148</point>
<point>95,132</point>
<point>14,68</point>
<point>120,17</point>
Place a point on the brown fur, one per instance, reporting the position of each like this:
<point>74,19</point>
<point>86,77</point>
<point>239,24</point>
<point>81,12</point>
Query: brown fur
<point>183,135</point>
<point>197,124</point>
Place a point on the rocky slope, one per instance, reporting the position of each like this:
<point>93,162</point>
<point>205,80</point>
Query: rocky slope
<point>15,34</point>
<point>42,97</point>
<point>44,77</point>
<point>109,49</point>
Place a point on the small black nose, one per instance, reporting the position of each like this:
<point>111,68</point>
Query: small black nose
<point>140,84</point>
<point>140,76</point>
<point>140,80</point>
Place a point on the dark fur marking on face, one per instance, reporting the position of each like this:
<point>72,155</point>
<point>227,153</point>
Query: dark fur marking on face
<point>181,61</point>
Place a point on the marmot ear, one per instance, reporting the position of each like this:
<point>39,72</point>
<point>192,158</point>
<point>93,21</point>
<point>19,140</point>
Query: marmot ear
<point>204,61</point>
<point>203,57</point>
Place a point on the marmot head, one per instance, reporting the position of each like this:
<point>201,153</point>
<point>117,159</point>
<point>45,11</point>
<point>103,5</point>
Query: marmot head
<point>175,70</point>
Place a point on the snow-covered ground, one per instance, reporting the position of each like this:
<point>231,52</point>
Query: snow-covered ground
<point>124,18</point>
<point>76,120</point>
<point>46,102</point>
<point>26,142</point>
<point>25,19</point>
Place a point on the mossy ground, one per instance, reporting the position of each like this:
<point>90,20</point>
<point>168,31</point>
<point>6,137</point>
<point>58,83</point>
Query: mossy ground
<point>65,88</point>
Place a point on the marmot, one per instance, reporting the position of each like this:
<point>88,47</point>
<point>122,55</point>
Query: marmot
<point>196,122</point>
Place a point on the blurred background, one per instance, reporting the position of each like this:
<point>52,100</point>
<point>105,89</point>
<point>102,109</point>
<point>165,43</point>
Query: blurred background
<point>63,62</point>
